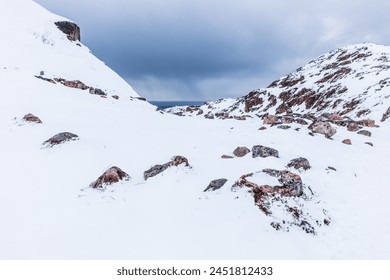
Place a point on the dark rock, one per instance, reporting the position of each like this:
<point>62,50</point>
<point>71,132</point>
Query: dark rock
<point>69,28</point>
<point>60,138</point>
<point>364,132</point>
<point>283,127</point>
<point>97,91</point>
<point>45,79</point>
<point>226,157</point>
<point>262,151</point>
<point>115,97</point>
<point>216,184</point>
<point>347,141</point>
<point>241,151</point>
<point>300,162</point>
<point>32,118</point>
<point>369,143</point>
<point>386,115</point>
<point>262,128</point>
<point>331,168</point>
<point>157,169</point>
<point>323,128</point>
<point>111,176</point>
<point>141,98</point>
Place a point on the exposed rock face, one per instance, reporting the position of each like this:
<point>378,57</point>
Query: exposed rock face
<point>216,184</point>
<point>111,176</point>
<point>241,151</point>
<point>158,168</point>
<point>262,151</point>
<point>347,141</point>
<point>300,162</point>
<point>364,132</point>
<point>32,118</point>
<point>69,28</point>
<point>60,138</point>
<point>323,128</point>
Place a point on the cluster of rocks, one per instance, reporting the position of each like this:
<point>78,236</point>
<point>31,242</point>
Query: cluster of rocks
<point>257,151</point>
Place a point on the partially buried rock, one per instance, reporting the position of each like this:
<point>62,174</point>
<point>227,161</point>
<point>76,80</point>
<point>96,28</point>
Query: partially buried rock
<point>364,132</point>
<point>323,128</point>
<point>283,127</point>
<point>226,157</point>
<point>216,184</point>
<point>60,138</point>
<point>347,141</point>
<point>241,151</point>
<point>263,151</point>
<point>32,118</point>
<point>158,168</point>
<point>270,119</point>
<point>300,162</point>
<point>262,128</point>
<point>111,176</point>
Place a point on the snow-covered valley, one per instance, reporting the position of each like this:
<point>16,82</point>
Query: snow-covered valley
<point>49,211</point>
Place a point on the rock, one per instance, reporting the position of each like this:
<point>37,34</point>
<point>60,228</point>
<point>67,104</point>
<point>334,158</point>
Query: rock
<point>301,121</point>
<point>60,138</point>
<point>353,126</point>
<point>241,151</point>
<point>97,91</point>
<point>262,151</point>
<point>157,169</point>
<point>283,127</point>
<point>216,184</point>
<point>69,28</point>
<point>226,157</point>
<point>386,115</point>
<point>270,119</point>
<point>111,176</point>
<point>300,162</point>
<point>31,118</point>
<point>73,84</point>
<point>347,141</point>
<point>323,128</point>
<point>364,132</point>
<point>115,97</point>
<point>369,143</point>
<point>333,117</point>
<point>367,122</point>
<point>292,182</point>
<point>331,168</point>
<point>262,128</point>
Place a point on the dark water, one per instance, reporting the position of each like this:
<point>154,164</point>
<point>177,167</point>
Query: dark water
<point>168,104</point>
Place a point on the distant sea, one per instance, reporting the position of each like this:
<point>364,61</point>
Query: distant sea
<point>168,104</point>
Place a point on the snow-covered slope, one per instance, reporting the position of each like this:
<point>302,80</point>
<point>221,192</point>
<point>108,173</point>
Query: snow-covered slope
<point>352,82</point>
<point>265,209</point>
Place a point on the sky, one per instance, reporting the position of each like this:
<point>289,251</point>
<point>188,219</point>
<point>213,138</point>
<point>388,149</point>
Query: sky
<point>206,50</point>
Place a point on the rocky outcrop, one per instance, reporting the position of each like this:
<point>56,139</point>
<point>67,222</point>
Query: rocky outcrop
<point>216,184</point>
<point>60,138</point>
<point>299,163</point>
<point>241,151</point>
<point>263,151</point>
<point>69,28</point>
<point>73,84</point>
<point>158,168</point>
<point>323,128</point>
<point>32,118</point>
<point>111,176</point>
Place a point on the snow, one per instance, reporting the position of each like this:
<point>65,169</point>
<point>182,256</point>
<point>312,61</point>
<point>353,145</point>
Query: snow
<point>48,211</point>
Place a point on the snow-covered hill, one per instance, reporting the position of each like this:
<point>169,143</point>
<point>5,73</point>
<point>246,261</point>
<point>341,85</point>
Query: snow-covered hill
<point>96,172</point>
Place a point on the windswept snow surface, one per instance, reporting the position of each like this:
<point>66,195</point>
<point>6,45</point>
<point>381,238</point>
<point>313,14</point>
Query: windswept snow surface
<point>48,211</point>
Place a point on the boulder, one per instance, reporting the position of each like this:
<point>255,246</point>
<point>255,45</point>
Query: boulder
<point>300,162</point>
<point>353,126</point>
<point>60,138</point>
<point>263,151</point>
<point>323,128</point>
<point>158,168</point>
<point>32,118</point>
<point>111,176</point>
<point>69,28</point>
<point>241,151</point>
<point>364,132</point>
<point>216,184</point>
<point>347,141</point>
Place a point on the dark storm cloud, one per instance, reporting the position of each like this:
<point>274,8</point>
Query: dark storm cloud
<point>211,49</point>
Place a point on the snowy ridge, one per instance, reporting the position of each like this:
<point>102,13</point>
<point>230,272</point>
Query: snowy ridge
<point>352,82</point>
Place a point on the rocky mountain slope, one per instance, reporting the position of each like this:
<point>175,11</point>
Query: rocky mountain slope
<point>352,82</point>
<point>89,170</point>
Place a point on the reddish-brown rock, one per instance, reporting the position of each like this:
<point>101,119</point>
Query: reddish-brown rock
<point>111,176</point>
<point>32,118</point>
<point>347,141</point>
<point>241,151</point>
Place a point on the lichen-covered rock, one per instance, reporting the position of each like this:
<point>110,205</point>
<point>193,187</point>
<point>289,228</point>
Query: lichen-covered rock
<point>60,138</point>
<point>111,176</point>
<point>364,132</point>
<point>298,163</point>
<point>158,168</point>
<point>216,184</point>
<point>263,151</point>
<point>32,118</point>
<point>323,128</point>
<point>241,151</point>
